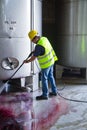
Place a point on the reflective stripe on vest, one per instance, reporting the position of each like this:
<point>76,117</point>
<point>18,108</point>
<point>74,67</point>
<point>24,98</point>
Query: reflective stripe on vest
<point>49,57</point>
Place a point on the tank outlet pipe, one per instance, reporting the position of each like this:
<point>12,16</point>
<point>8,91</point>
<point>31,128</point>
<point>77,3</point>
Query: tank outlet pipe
<point>3,84</point>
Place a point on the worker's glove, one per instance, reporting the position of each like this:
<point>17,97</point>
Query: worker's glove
<point>25,61</point>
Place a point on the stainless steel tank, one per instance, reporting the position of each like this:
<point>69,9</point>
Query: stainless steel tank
<point>72,33</point>
<point>16,20</point>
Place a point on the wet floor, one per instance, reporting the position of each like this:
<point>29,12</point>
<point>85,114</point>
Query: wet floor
<point>67,111</point>
<point>76,118</point>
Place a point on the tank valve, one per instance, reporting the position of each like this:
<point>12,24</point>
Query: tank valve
<point>9,63</point>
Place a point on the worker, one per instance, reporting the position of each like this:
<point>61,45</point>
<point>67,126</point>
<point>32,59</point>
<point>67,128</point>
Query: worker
<point>46,57</point>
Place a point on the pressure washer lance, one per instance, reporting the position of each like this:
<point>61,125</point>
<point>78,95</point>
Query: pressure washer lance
<point>4,83</point>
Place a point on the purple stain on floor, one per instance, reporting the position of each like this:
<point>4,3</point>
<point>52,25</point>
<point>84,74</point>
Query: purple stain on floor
<point>7,120</point>
<point>20,111</point>
<point>49,112</point>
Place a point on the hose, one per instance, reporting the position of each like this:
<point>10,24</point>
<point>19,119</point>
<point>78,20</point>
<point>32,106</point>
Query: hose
<point>4,83</point>
<point>74,100</point>
<point>17,69</point>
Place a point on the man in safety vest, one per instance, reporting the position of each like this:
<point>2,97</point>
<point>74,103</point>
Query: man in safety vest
<point>46,58</point>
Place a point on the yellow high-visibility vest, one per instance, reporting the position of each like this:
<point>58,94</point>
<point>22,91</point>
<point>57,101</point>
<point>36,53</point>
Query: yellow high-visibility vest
<point>49,56</point>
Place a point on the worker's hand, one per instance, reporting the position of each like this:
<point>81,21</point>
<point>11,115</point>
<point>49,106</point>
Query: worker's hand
<point>25,61</point>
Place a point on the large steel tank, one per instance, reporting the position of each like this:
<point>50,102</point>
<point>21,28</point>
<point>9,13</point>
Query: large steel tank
<point>72,33</point>
<point>16,20</point>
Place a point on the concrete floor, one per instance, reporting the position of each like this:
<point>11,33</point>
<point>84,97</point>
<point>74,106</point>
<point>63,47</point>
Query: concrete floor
<point>76,118</point>
<point>21,111</point>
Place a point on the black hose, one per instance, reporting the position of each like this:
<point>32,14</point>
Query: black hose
<point>5,81</point>
<point>74,100</point>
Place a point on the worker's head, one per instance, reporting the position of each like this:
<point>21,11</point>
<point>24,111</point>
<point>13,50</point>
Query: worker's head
<point>33,36</point>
